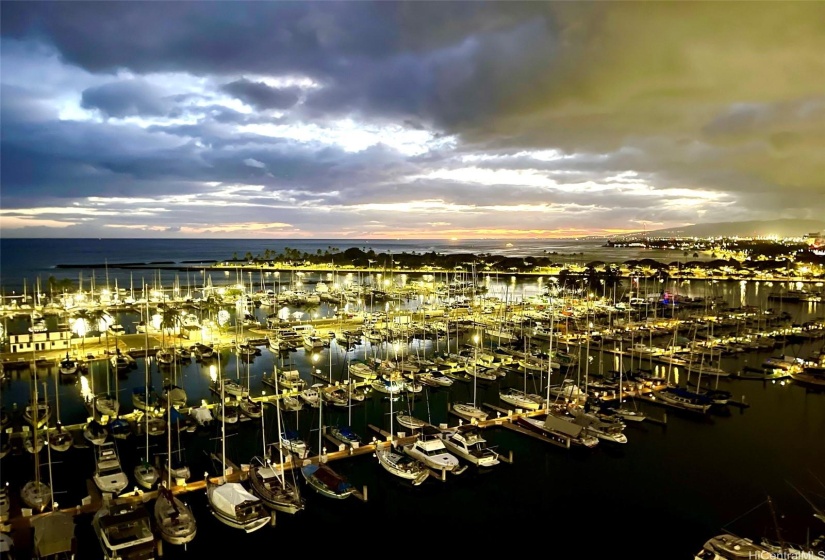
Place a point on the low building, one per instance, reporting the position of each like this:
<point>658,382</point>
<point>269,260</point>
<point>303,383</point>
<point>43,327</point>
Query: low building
<point>40,342</point>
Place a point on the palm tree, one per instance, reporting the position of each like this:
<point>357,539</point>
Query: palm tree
<point>82,316</point>
<point>170,319</point>
<point>97,316</point>
<point>310,309</point>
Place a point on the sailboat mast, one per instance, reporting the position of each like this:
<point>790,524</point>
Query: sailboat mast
<point>263,432</point>
<point>223,420</point>
<point>475,367</point>
<point>49,459</point>
<point>35,423</point>
<point>278,420</point>
<point>349,390</point>
<point>56,400</point>
<point>168,439</point>
<point>392,433</point>
<point>48,448</point>
<point>320,423</point>
<point>146,373</point>
<point>549,357</point>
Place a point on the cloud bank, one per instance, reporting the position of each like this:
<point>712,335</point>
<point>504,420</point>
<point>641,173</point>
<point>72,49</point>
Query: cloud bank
<point>407,119</point>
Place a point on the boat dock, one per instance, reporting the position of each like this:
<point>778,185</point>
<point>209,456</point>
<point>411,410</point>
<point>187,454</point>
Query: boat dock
<point>504,418</point>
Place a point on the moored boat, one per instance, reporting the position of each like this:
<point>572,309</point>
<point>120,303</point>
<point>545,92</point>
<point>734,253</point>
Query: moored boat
<point>124,531</point>
<point>556,429</point>
<point>468,444</point>
<point>429,448</point>
<point>684,399</point>
<point>269,483</point>
<point>68,365</point>
<point>400,464</point>
<point>109,475</point>
<point>812,376</point>
<point>174,518</point>
<point>327,482</point>
<point>469,411</point>
<point>346,435</point>
<point>521,399</point>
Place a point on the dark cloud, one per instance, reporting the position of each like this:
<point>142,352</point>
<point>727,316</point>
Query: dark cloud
<point>262,96</point>
<point>206,38</point>
<point>723,100</point>
<point>125,99</point>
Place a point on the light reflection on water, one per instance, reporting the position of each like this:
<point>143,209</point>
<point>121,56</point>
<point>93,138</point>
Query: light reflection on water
<point>685,479</point>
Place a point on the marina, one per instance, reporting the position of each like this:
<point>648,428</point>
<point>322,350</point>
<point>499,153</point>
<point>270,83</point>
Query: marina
<point>465,278</point>
<point>584,342</point>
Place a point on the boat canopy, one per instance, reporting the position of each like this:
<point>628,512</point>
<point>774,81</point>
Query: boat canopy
<point>231,494</point>
<point>53,534</point>
<point>563,426</point>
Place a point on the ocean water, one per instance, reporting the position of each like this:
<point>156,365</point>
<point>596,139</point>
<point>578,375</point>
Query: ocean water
<point>660,496</point>
<point>24,262</point>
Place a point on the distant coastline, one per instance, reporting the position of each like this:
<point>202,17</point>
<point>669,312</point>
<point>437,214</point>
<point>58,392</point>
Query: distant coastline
<point>133,262</point>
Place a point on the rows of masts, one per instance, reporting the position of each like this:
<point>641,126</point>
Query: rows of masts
<point>579,317</point>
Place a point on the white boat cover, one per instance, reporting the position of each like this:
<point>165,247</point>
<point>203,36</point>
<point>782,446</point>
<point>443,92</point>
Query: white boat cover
<point>231,494</point>
<point>202,415</point>
<point>53,533</point>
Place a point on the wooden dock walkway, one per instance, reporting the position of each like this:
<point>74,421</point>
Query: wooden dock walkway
<point>21,523</point>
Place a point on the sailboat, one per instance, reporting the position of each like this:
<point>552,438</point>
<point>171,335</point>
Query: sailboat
<point>399,464</point>
<point>38,412</point>
<point>269,482</point>
<point>231,502</point>
<point>521,398</point>
<point>469,411</point>
<point>68,365</point>
<point>176,461</point>
<point>53,531</point>
<point>174,519</point>
<point>247,405</point>
<point>171,392</point>
<point>345,434</point>
<point>59,439</point>
<point>36,494</point>
<point>620,410</point>
<point>145,473</point>
<point>320,476</point>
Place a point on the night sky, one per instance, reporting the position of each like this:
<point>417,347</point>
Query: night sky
<point>407,119</point>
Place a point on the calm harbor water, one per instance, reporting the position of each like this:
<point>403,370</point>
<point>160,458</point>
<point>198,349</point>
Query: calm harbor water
<point>24,261</point>
<point>661,495</point>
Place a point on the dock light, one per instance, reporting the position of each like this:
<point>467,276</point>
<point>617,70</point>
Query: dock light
<point>213,373</point>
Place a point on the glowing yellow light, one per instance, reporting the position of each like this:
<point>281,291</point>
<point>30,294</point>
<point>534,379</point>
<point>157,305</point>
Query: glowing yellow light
<point>85,390</point>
